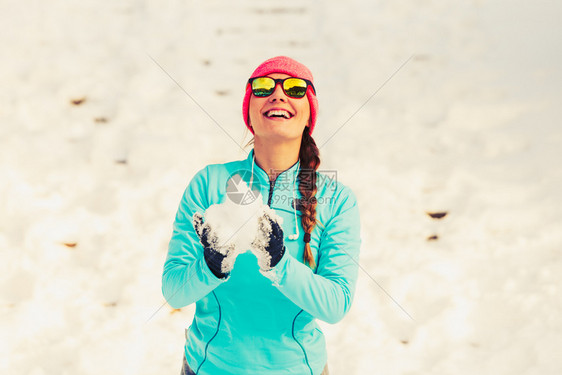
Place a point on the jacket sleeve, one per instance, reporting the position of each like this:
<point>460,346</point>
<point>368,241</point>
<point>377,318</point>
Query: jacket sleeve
<point>186,277</point>
<point>328,294</point>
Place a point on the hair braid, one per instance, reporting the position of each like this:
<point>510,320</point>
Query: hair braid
<point>310,160</point>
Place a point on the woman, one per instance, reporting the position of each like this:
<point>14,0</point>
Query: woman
<point>256,310</point>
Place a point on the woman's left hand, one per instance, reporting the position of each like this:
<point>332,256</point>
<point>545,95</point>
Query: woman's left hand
<point>268,246</point>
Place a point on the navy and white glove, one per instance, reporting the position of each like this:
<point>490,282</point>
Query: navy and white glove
<point>268,246</point>
<point>218,256</point>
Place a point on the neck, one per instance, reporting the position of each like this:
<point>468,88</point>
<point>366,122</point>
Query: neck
<point>275,158</point>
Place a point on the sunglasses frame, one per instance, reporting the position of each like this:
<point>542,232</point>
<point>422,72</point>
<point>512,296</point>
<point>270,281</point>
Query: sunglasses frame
<point>281,81</point>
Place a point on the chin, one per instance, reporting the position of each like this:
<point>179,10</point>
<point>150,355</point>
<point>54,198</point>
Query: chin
<point>280,135</point>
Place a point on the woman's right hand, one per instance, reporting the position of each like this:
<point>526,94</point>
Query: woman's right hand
<point>218,256</point>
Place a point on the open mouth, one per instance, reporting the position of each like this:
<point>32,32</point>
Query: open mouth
<point>278,113</point>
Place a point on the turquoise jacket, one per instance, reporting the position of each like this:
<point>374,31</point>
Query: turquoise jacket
<point>254,322</point>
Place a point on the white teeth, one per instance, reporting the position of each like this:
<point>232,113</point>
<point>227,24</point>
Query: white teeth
<point>276,112</point>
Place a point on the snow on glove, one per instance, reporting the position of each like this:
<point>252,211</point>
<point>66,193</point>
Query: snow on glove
<point>217,256</point>
<point>268,245</point>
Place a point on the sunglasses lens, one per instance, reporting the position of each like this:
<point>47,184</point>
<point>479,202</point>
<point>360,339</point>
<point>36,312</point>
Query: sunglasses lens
<point>263,86</point>
<point>294,87</point>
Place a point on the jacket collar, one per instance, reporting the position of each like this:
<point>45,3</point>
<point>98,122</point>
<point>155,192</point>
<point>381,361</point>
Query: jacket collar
<point>287,175</point>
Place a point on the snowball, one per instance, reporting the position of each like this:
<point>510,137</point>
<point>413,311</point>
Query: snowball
<point>238,224</point>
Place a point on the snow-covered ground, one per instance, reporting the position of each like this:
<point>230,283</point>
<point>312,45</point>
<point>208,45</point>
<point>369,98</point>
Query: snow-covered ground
<point>469,125</point>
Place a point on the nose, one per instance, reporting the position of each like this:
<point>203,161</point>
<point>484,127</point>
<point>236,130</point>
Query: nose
<point>278,93</point>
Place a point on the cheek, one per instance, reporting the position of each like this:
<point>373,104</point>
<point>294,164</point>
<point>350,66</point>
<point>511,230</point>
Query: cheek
<point>304,104</point>
<point>304,109</point>
<point>253,108</point>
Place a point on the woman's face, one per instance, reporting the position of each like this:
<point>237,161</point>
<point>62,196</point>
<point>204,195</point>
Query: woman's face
<point>268,124</point>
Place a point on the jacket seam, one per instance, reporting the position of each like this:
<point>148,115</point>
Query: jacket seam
<point>215,335</point>
<point>297,341</point>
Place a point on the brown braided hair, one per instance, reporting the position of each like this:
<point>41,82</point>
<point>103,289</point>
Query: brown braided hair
<point>310,160</point>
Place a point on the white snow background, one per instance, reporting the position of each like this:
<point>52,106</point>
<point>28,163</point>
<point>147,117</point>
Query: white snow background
<point>425,106</point>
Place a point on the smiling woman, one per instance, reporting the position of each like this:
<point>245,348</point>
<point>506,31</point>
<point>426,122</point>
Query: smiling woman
<point>256,311</point>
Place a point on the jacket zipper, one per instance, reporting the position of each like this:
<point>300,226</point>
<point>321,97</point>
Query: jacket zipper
<point>271,185</point>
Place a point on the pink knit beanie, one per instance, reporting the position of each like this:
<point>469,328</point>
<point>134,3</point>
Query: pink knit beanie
<point>286,65</point>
